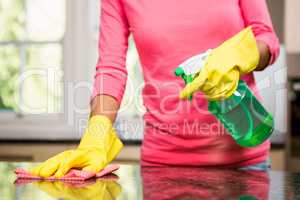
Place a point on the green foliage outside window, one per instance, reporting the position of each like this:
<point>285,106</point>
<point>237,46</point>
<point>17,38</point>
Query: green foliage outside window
<point>24,23</point>
<point>12,29</point>
<point>9,63</point>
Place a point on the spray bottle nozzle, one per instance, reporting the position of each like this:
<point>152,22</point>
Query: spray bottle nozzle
<point>190,67</point>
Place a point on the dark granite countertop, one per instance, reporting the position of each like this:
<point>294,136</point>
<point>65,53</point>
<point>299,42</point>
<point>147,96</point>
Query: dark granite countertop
<point>133,182</point>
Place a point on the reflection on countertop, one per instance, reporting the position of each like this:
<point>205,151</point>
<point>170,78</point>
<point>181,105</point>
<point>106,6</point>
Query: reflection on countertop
<point>133,182</point>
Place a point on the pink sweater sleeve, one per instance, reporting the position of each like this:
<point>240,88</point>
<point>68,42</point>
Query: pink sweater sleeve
<point>111,74</point>
<point>256,14</point>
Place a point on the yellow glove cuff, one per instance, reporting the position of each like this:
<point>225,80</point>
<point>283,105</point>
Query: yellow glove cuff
<point>240,51</point>
<point>98,133</point>
<point>98,124</point>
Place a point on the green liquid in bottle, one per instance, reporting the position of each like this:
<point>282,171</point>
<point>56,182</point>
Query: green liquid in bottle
<point>244,117</point>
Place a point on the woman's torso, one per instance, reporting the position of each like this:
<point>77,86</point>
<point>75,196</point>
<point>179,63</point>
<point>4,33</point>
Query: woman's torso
<point>166,32</point>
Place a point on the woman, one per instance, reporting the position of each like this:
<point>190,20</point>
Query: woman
<point>166,33</point>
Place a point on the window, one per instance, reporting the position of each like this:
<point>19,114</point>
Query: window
<point>48,54</point>
<point>31,55</point>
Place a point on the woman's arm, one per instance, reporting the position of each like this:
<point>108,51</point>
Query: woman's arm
<point>264,56</point>
<point>111,73</point>
<point>105,105</point>
<point>255,14</point>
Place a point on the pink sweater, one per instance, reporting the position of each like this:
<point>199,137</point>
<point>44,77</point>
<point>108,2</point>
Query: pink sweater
<point>166,32</point>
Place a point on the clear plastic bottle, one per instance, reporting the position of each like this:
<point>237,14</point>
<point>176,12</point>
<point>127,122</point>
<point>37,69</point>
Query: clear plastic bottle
<point>244,117</point>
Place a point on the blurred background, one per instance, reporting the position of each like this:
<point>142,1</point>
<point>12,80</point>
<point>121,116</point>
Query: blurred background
<point>48,54</point>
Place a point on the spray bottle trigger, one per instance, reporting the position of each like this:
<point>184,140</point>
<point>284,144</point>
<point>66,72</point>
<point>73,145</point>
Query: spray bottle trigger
<point>188,79</point>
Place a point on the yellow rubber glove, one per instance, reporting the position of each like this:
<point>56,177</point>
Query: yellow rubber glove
<point>100,190</point>
<point>220,75</point>
<point>98,147</point>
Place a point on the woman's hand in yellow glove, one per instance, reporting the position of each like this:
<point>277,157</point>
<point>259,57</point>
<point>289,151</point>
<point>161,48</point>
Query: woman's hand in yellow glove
<point>49,167</point>
<point>220,75</point>
<point>98,147</point>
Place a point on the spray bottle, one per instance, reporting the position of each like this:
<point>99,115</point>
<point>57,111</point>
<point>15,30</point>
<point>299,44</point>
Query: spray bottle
<point>244,117</point>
